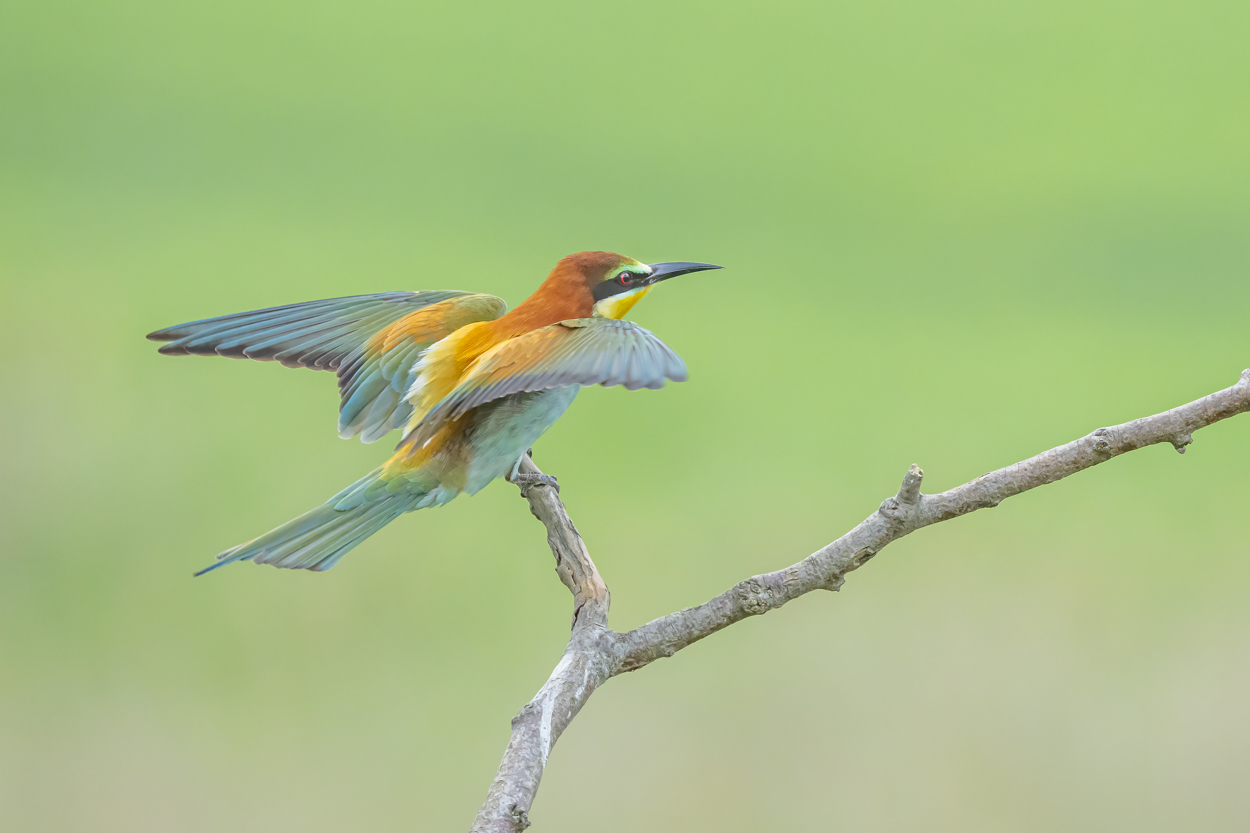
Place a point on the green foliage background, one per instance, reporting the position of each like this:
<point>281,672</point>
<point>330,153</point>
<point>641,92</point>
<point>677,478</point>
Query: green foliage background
<point>957,233</point>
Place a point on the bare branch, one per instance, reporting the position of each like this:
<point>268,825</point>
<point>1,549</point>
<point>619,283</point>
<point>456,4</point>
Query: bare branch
<point>584,666</point>
<point>910,510</point>
<point>596,654</point>
<point>573,563</point>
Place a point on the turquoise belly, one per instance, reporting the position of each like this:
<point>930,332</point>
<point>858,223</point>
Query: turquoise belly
<point>503,430</point>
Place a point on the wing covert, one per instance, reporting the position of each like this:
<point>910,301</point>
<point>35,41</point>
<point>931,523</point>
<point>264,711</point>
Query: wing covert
<point>580,351</point>
<point>375,377</point>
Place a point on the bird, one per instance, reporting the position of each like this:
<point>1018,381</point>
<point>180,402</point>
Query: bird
<point>472,385</point>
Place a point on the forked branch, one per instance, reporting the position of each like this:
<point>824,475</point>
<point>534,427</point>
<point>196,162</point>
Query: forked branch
<point>595,653</point>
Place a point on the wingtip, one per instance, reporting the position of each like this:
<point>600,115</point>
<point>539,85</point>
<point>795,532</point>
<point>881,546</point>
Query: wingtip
<point>212,567</point>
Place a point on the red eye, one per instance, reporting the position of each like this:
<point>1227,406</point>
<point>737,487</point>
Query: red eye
<point>623,280</point>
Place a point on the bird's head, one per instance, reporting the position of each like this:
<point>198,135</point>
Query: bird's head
<point>616,282</point>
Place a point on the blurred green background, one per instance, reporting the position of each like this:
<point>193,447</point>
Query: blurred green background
<point>957,233</point>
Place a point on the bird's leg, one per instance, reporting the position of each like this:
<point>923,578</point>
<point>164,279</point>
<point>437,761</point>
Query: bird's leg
<point>529,452</point>
<point>528,481</point>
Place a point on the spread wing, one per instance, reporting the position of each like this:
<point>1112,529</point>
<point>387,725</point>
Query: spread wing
<point>580,351</point>
<point>371,341</point>
<point>314,334</point>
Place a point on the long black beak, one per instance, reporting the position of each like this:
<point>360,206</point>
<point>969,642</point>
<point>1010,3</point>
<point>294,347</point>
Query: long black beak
<point>664,271</point>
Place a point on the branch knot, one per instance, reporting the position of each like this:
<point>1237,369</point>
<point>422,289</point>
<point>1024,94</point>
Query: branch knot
<point>756,596</point>
<point>862,556</point>
<point>526,710</point>
<point>892,509</point>
<point>519,818</point>
<point>1102,442</point>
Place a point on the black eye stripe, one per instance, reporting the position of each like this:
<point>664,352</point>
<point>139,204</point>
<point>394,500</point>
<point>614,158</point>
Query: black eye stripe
<point>624,281</point>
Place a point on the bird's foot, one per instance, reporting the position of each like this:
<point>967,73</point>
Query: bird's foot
<point>516,468</point>
<point>528,481</point>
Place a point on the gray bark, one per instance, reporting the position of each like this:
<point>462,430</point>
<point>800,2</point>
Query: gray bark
<point>595,653</point>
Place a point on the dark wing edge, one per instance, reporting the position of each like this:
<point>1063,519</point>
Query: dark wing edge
<point>312,334</point>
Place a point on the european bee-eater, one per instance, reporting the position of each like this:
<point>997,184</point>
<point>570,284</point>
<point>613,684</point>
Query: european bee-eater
<point>472,386</point>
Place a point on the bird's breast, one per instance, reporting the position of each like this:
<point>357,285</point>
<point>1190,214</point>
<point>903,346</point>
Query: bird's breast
<point>502,430</point>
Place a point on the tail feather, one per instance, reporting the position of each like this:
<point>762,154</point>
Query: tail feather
<point>317,539</point>
<point>345,544</point>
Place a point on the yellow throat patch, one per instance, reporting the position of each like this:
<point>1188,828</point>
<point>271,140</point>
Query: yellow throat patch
<point>617,305</point>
